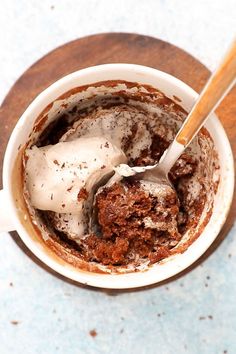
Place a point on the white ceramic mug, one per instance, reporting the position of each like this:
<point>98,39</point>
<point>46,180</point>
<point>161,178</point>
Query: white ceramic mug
<point>170,86</point>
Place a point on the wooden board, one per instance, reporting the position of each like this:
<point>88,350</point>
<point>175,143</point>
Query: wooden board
<point>112,48</point>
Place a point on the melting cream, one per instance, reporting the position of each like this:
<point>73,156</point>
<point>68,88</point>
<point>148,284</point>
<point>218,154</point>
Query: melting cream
<point>56,174</point>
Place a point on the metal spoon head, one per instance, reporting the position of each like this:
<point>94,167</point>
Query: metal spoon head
<point>154,173</point>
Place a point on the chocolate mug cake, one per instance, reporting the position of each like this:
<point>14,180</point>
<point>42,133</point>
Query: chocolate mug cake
<point>83,137</point>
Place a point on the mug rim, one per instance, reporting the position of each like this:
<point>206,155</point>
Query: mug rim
<point>127,280</point>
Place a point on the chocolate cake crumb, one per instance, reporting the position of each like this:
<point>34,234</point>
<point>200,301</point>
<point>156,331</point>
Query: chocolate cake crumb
<point>184,166</point>
<point>15,323</point>
<point>93,333</point>
<point>82,195</point>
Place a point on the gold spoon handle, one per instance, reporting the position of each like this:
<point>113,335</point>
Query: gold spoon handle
<point>216,88</point>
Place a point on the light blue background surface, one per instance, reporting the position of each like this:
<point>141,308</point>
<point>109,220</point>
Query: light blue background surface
<point>195,314</point>
<point>56,317</point>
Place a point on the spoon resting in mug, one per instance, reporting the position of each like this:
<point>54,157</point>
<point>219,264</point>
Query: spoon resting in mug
<point>155,177</point>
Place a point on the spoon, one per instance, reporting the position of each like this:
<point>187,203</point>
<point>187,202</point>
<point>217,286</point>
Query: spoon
<point>214,91</point>
<point>216,88</point>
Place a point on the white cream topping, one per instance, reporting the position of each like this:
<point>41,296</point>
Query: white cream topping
<point>55,174</point>
<point>115,124</point>
<point>73,225</point>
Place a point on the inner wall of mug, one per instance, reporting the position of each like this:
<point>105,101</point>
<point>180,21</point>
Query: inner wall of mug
<point>66,103</point>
